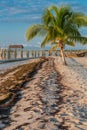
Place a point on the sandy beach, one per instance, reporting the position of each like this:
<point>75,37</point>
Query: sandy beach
<point>43,65</point>
<point>55,98</point>
<point>74,78</point>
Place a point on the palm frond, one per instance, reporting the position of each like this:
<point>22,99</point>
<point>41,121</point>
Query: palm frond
<point>71,30</point>
<point>70,43</point>
<point>54,9</point>
<point>82,40</point>
<point>80,19</point>
<point>46,40</point>
<point>48,18</point>
<point>35,30</point>
<point>54,48</point>
<point>64,12</point>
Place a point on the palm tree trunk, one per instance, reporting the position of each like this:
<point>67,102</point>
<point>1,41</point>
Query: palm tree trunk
<point>63,56</point>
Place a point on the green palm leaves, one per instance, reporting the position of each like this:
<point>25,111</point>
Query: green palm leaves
<point>59,22</point>
<point>60,27</point>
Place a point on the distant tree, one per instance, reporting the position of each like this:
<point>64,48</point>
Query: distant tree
<point>60,27</point>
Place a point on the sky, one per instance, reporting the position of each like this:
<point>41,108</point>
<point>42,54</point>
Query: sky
<point>17,15</point>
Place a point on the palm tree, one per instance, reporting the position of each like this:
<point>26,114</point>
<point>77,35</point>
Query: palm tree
<point>60,27</point>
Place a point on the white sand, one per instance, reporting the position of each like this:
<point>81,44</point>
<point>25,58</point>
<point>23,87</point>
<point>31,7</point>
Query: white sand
<point>31,113</point>
<point>75,100</point>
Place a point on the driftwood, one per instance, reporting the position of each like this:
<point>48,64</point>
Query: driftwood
<point>75,54</point>
<point>81,54</point>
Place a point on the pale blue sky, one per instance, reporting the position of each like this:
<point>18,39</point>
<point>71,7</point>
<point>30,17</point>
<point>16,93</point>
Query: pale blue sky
<point>17,15</point>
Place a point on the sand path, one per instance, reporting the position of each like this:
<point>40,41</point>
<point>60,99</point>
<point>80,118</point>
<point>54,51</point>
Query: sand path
<point>51,101</point>
<point>38,104</point>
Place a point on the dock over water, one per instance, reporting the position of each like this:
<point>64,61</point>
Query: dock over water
<point>8,55</point>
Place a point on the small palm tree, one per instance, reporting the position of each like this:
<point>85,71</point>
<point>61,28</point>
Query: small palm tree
<point>60,27</point>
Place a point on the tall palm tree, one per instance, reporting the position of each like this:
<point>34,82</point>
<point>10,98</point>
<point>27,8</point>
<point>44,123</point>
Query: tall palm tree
<point>60,27</point>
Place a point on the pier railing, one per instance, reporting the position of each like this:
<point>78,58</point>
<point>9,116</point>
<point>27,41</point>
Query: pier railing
<point>7,54</point>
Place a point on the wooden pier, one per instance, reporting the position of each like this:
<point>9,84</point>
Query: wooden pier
<point>8,54</point>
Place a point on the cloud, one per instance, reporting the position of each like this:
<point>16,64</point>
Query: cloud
<point>24,18</point>
<point>24,10</point>
<point>31,10</point>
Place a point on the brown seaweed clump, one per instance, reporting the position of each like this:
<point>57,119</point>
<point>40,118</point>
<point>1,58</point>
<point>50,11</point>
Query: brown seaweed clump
<point>23,74</point>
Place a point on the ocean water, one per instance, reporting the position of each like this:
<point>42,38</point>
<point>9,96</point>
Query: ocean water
<point>9,65</point>
<point>15,33</point>
<point>31,46</point>
<point>48,47</point>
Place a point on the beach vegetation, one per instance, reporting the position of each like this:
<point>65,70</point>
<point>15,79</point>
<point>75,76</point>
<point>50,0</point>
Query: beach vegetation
<point>60,27</point>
